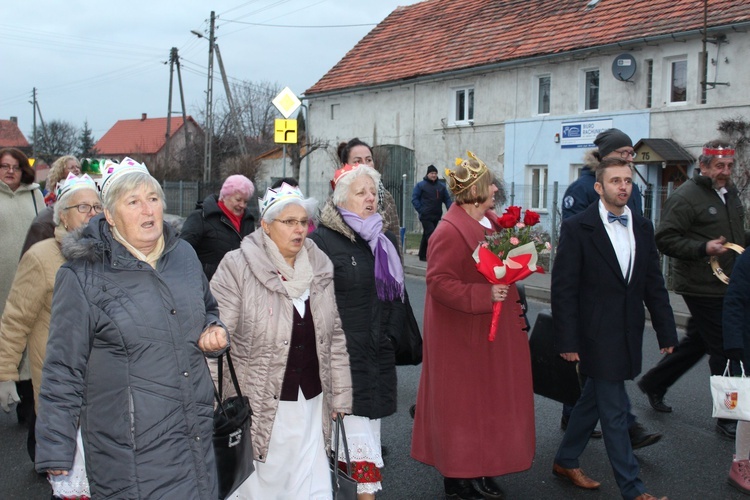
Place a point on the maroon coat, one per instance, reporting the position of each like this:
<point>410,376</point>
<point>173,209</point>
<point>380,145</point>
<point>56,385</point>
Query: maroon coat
<point>475,405</point>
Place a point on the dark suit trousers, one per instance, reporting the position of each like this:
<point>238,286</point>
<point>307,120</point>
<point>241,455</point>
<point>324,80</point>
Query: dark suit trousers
<point>606,401</point>
<point>703,336</point>
<point>428,226</point>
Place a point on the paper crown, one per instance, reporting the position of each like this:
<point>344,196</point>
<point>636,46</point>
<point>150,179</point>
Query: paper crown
<point>346,169</point>
<point>460,184</point>
<point>113,171</point>
<point>281,194</point>
<point>719,152</point>
<point>72,183</point>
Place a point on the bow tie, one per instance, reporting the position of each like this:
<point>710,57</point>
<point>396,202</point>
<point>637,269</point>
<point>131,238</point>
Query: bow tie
<point>622,219</point>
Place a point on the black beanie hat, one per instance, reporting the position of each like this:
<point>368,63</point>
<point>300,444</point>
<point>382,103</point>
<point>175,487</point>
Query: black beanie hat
<point>611,140</point>
<point>431,168</point>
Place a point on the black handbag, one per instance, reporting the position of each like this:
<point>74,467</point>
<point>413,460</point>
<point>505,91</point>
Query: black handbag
<point>344,485</point>
<point>233,445</point>
<point>408,341</point>
<point>553,376</point>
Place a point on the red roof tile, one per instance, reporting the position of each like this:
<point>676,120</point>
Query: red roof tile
<point>437,36</point>
<point>11,136</point>
<point>142,136</point>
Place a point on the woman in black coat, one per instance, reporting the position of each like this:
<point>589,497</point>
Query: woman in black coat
<point>220,224</point>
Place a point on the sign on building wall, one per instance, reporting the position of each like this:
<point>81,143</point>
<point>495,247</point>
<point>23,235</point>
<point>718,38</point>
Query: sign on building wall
<point>581,133</point>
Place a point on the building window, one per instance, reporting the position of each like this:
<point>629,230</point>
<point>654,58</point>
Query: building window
<point>591,90</point>
<point>544,83</point>
<point>649,82</point>
<point>678,81</point>
<point>538,185</point>
<point>575,171</point>
<point>334,108</point>
<point>463,108</point>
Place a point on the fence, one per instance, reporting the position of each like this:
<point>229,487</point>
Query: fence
<point>182,197</point>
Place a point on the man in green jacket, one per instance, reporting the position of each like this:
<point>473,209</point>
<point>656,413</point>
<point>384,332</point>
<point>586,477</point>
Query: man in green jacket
<point>701,216</point>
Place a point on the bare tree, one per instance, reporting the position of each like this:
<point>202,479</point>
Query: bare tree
<point>304,146</point>
<point>57,138</point>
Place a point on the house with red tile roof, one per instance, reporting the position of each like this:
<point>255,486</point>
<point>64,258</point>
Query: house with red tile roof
<point>12,137</point>
<point>527,85</point>
<point>145,140</point>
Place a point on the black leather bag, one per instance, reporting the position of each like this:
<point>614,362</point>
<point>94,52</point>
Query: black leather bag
<point>344,485</point>
<point>553,377</point>
<point>233,445</point>
<point>408,341</point>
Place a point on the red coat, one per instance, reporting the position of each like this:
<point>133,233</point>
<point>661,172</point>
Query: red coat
<point>475,405</point>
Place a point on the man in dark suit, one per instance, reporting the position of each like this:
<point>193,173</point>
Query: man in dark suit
<point>606,268</point>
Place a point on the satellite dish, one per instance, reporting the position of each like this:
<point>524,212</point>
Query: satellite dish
<point>623,67</point>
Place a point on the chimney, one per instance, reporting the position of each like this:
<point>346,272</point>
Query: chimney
<point>14,119</point>
<point>143,117</point>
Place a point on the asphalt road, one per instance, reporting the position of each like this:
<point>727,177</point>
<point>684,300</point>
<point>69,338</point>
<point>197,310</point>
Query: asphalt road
<point>690,462</point>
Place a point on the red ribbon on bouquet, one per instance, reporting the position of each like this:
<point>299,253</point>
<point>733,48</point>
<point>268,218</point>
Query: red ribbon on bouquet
<point>520,264</point>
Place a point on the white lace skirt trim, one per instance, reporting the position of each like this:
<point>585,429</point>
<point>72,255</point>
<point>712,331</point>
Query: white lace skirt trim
<point>363,436</point>
<point>75,484</point>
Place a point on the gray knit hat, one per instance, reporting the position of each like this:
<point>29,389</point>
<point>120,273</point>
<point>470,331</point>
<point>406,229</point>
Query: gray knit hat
<point>611,140</point>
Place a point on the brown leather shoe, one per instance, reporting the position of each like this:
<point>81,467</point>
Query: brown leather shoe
<point>577,477</point>
<point>646,496</point>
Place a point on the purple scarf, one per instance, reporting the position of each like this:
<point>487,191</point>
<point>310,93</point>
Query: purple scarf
<point>389,273</point>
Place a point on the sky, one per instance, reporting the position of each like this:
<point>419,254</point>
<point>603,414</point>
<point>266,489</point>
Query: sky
<point>102,61</point>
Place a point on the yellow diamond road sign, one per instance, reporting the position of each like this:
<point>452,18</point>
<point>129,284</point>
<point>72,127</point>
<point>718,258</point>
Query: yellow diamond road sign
<point>285,131</point>
<point>286,102</point>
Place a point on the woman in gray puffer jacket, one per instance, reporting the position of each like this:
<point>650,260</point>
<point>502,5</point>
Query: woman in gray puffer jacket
<point>126,353</point>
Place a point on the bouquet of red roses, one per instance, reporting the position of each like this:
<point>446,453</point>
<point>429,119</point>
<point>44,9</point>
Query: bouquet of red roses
<point>511,254</point>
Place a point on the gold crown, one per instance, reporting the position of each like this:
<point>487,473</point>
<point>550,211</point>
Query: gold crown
<point>460,184</point>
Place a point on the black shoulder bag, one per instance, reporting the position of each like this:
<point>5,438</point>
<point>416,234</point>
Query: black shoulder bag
<point>233,445</point>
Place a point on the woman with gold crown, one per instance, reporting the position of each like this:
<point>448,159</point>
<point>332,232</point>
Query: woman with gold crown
<point>475,405</point>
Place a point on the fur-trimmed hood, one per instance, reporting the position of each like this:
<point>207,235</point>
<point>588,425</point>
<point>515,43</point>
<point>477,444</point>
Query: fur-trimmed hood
<point>590,160</point>
<point>331,217</point>
<point>95,242</point>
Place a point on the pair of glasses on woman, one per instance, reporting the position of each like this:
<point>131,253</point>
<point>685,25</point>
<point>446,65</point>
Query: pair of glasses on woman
<point>4,167</point>
<point>293,222</point>
<point>85,208</point>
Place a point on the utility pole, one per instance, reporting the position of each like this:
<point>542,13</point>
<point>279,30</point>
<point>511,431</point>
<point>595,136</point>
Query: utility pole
<point>172,57</point>
<point>33,103</point>
<point>232,110</point>
<point>209,101</point>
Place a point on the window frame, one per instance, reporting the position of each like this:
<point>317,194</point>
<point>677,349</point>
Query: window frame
<point>538,93</point>
<point>670,80</point>
<point>542,203</point>
<point>585,94</point>
<point>468,105</point>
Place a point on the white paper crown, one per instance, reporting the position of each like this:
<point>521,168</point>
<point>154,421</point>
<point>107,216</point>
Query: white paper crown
<point>72,183</point>
<point>281,194</point>
<point>114,171</point>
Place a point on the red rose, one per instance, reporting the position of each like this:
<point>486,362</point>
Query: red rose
<point>507,221</point>
<point>514,211</point>
<point>531,218</point>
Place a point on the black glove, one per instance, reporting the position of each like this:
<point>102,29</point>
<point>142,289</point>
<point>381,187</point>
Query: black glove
<point>734,354</point>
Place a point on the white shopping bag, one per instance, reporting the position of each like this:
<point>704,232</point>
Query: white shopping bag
<point>731,395</point>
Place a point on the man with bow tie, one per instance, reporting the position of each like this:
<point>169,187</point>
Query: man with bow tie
<point>606,269</point>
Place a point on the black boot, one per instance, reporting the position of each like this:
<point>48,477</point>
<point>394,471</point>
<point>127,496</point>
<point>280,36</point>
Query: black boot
<point>488,487</point>
<point>460,488</point>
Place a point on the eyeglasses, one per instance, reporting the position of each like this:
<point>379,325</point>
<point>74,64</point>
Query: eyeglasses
<point>294,222</point>
<point>628,152</point>
<point>85,208</point>
<point>4,167</point>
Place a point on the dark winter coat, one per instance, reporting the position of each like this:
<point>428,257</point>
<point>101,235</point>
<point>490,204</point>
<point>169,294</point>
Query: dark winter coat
<point>693,215</point>
<point>212,234</point>
<point>597,313</point>
<point>123,357</point>
<point>428,198</point>
<point>736,310</point>
<point>365,318</point>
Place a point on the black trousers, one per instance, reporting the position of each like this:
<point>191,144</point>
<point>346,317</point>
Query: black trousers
<point>703,336</point>
<point>26,414</point>
<point>428,226</point>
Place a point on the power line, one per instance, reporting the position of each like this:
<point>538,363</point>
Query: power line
<point>299,25</point>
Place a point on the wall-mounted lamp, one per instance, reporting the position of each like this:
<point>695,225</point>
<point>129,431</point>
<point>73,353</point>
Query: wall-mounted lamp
<point>557,138</point>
